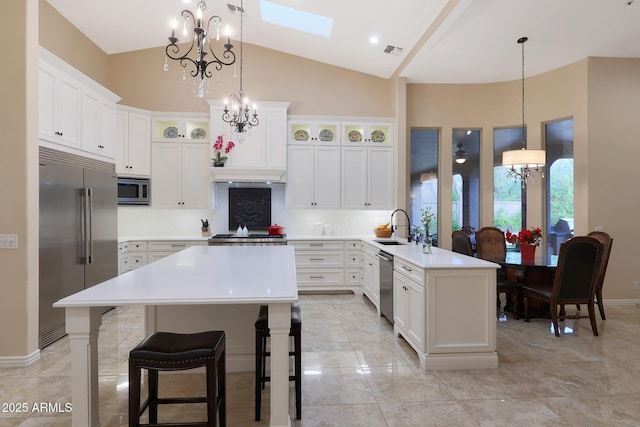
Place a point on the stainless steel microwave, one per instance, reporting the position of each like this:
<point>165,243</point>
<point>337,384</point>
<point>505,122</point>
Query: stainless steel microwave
<point>134,191</point>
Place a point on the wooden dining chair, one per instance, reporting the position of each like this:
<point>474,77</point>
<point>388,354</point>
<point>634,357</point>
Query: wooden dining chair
<point>575,281</point>
<point>491,246</point>
<point>607,242</point>
<point>461,243</point>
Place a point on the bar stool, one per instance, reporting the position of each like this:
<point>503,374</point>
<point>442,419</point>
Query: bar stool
<point>166,351</point>
<point>262,333</point>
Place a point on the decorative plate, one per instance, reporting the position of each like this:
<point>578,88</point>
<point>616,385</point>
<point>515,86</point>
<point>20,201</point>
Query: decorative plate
<point>171,132</point>
<point>377,136</point>
<point>355,136</point>
<point>325,135</point>
<point>301,135</point>
<point>198,133</point>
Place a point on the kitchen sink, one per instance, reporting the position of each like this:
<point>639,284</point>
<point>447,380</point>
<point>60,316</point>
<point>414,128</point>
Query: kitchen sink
<point>388,242</point>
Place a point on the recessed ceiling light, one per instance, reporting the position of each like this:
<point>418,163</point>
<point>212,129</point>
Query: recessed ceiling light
<point>296,19</point>
<point>373,40</point>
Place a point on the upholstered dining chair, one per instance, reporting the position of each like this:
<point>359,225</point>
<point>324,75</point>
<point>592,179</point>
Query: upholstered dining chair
<point>491,246</point>
<point>607,242</point>
<point>575,281</point>
<point>461,243</point>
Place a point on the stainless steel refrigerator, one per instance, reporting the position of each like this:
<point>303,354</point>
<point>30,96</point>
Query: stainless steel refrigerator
<point>78,232</point>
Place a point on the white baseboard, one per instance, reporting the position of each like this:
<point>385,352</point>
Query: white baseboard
<point>19,361</point>
<point>621,302</point>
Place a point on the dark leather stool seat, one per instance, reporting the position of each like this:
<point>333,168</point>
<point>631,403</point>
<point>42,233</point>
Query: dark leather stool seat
<point>262,333</point>
<point>166,351</point>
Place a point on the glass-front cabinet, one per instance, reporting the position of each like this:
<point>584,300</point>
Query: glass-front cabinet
<point>314,132</point>
<point>170,129</point>
<point>367,133</point>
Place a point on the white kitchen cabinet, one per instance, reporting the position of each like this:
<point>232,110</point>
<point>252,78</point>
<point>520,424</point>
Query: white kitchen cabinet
<point>259,152</point>
<point>171,127</point>
<point>367,178</point>
<point>364,133</point>
<point>132,255</point>
<point>408,309</point>
<point>313,177</point>
<point>98,124</point>
<point>133,139</point>
<point>305,131</point>
<point>370,265</point>
<point>180,175</point>
<point>76,114</point>
<point>320,265</point>
<point>60,106</point>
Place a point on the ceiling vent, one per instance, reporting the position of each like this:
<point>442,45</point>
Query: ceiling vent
<point>235,9</point>
<point>393,50</point>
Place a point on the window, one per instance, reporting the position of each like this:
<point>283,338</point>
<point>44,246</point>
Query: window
<point>508,194</point>
<point>465,192</point>
<point>559,173</point>
<point>424,175</point>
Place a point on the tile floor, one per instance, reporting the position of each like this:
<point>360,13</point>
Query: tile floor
<point>356,373</point>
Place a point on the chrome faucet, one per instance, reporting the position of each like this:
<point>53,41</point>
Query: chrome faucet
<point>408,223</point>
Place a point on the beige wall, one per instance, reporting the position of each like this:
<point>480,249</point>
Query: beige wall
<point>19,175</point>
<point>613,155</point>
<point>311,87</point>
<point>59,36</point>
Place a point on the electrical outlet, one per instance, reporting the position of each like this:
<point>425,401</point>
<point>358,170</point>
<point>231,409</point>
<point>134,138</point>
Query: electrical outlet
<point>636,285</point>
<point>8,241</point>
<point>599,228</point>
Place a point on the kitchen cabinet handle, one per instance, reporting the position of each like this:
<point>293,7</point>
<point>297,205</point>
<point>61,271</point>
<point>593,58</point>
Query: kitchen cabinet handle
<point>178,246</point>
<point>406,268</point>
<point>316,244</point>
<point>316,259</point>
<point>316,277</point>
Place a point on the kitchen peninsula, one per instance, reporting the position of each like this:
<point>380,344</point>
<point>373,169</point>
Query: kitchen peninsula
<point>202,276</point>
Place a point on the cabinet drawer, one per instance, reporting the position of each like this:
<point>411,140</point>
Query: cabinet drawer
<point>409,270</point>
<point>352,276</point>
<point>353,245</point>
<point>133,261</point>
<point>323,277</point>
<point>172,246</point>
<point>305,259</point>
<point>352,259</point>
<point>134,246</point>
<point>317,245</point>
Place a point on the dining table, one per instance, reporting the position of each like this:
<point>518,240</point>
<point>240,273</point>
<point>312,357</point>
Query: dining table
<point>540,270</point>
<point>214,276</point>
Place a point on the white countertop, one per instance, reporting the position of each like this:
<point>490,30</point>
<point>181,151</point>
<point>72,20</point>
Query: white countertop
<point>439,258</point>
<point>201,275</point>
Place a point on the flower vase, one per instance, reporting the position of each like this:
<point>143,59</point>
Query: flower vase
<point>527,253</point>
<point>426,244</point>
<point>218,164</point>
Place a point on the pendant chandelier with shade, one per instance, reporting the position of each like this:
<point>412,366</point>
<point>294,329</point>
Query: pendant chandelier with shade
<point>524,164</point>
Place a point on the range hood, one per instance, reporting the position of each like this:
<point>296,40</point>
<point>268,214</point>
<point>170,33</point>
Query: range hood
<point>243,174</point>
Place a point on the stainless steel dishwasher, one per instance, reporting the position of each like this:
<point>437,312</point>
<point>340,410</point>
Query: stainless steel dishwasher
<point>386,285</point>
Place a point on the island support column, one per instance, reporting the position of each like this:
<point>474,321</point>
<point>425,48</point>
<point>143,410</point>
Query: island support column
<point>82,325</point>
<point>279,328</point>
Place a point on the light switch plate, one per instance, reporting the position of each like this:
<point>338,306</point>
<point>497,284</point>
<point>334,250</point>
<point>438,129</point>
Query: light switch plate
<point>8,241</point>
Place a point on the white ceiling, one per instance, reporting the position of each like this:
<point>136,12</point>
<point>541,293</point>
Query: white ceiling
<point>443,41</point>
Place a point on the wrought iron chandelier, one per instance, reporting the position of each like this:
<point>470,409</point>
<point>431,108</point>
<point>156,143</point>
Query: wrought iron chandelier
<point>238,114</point>
<point>523,163</point>
<point>201,47</point>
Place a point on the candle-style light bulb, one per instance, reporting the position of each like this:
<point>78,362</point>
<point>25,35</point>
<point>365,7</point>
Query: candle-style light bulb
<point>174,25</point>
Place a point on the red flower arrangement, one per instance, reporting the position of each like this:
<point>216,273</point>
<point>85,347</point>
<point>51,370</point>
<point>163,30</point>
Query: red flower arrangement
<point>219,147</point>
<point>525,237</point>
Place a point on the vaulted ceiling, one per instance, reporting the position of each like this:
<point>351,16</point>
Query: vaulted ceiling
<point>441,41</point>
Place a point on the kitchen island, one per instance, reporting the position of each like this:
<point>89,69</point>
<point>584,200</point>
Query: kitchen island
<point>445,307</point>
<point>204,276</point>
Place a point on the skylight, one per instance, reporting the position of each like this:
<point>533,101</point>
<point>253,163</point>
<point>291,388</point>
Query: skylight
<point>296,19</point>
